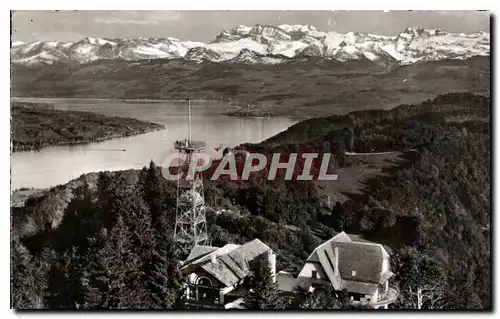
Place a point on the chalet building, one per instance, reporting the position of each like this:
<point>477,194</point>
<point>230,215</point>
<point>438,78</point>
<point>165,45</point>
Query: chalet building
<point>358,267</point>
<point>218,277</point>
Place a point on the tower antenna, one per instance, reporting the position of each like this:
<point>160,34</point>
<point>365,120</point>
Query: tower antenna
<point>189,119</point>
<point>190,220</point>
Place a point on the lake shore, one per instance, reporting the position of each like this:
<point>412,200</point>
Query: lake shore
<point>95,140</point>
<point>34,128</point>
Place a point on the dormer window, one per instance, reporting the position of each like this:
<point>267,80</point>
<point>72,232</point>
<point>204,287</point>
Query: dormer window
<point>353,273</point>
<point>314,274</point>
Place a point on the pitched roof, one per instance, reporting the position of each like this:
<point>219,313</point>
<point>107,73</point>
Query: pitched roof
<point>361,239</point>
<point>217,252</point>
<point>341,237</point>
<point>358,261</point>
<point>359,287</point>
<point>200,251</point>
<point>222,272</point>
<point>252,249</point>
<point>231,261</point>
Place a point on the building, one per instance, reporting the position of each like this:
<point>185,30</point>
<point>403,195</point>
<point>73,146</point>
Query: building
<point>218,277</point>
<point>358,267</point>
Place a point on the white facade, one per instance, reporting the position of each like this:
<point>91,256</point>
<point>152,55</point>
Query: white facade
<point>309,269</point>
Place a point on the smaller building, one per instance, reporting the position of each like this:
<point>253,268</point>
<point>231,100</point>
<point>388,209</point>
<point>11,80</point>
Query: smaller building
<point>357,267</point>
<point>218,277</point>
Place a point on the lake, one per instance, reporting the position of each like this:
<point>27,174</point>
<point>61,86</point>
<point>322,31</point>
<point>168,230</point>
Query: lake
<point>59,164</point>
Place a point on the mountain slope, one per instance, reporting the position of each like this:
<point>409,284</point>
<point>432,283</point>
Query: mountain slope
<point>303,87</point>
<point>410,46</point>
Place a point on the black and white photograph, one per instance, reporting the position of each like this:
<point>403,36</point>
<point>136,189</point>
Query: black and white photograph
<point>259,160</point>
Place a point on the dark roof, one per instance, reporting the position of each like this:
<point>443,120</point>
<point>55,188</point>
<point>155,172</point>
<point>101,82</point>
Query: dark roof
<point>358,261</point>
<point>231,261</point>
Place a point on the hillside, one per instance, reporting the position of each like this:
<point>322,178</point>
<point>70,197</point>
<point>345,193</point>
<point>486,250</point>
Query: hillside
<point>429,202</point>
<point>37,126</point>
<point>303,87</point>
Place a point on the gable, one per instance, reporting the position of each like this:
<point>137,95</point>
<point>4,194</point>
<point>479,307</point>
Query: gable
<point>341,237</point>
<point>309,267</point>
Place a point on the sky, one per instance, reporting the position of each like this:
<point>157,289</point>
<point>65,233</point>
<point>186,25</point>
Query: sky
<point>28,26</point>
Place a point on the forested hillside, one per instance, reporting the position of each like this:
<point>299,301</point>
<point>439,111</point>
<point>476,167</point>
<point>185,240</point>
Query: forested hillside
<point>39,125</point>
<point>104,241</point>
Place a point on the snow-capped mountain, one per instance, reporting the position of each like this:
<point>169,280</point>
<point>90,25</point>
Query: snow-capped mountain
<point>247,56</point>
<point>200,54</point>
<point>265,44</point>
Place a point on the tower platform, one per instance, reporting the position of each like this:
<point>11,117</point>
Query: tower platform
<point>189,146</point>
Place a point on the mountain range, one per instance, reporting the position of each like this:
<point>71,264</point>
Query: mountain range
<point>264,44</point>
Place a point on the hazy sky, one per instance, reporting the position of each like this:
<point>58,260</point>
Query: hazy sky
<point>205,25</point>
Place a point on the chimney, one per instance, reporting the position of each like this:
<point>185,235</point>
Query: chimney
<point>243,261</point>
<point>336,261</point>
<point>213,259</point>
<point>271,257</point>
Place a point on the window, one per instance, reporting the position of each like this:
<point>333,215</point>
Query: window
<point>204,281</point>
<point>314,274</point>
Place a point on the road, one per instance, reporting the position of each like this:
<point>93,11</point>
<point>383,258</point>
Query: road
<point>379,153</point>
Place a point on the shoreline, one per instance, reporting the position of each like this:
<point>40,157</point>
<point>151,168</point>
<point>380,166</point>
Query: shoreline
<point>238,112</point>
<point>101,139</point>
<point>34,99</point>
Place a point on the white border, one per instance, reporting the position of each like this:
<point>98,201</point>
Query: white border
<point>255,5</point>
<point>192,5</point>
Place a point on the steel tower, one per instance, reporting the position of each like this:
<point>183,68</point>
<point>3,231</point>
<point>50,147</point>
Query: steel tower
<point>190,220</point>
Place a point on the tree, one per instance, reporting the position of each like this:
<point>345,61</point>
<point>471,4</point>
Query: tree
<point>152,193</point>
<point>116,278</point>
<point>65,289</point>
<point>321,298</point>
<point>165,280</point>
<point>263,293</point>
<point>422,280</point>
<point>339,219</point>
<point>28,278</point>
